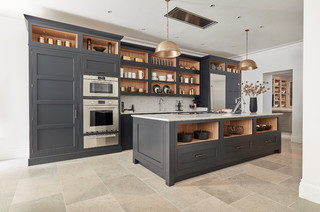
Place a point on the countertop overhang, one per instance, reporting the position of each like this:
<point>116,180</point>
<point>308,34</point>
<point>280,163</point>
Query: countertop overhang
<point>205,116</point>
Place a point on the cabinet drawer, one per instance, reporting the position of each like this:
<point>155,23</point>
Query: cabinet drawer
<point>101,66</point>
<point>236,148</point>
<point>267,141</point>
<point>198,156</point>
<point>92,141</point>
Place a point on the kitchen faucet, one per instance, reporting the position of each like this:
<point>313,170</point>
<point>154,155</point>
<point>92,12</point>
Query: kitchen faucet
<point>126,109</point>
<point>238,102</point>
<point>161,102</point>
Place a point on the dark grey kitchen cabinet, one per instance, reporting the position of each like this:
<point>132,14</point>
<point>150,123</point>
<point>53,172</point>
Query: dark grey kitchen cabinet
<point>233,89</point>
<point>232,80</point>
<point>55,94</point>
<point>54,106</point>
<point>96,65</point>
<point>126,131</point>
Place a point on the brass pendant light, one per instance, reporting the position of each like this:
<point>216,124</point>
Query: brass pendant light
<point>247,64</point>
<point>167,49</point>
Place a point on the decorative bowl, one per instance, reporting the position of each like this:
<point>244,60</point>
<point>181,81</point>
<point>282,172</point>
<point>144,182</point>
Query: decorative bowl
<point>99,48</point>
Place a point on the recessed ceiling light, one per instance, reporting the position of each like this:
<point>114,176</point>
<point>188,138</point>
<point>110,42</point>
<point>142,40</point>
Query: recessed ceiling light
<point>109,11</point>
<point>212,5</point>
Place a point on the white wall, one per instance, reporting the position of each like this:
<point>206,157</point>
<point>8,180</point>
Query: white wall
<point>280,59</point>
<point>14,103</point>
<point>310,183</point>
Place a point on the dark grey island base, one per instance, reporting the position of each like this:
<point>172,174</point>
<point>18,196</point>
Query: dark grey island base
<point>155,144</point>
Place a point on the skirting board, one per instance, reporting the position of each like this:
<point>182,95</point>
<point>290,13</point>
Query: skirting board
<point>309,191</point>
<point>14,153</point>
<point>297,139</point>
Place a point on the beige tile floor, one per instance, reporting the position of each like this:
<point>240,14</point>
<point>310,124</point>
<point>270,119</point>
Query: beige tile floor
<point>113,183</point>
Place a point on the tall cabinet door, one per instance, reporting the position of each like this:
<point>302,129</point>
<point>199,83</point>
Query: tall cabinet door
<point>53,100</point>
<point>233,90</point>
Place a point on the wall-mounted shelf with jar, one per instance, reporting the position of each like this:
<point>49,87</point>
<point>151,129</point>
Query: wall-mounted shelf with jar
<point>233,68</point>
<point>217,65</point>
<point>134,55</point>
<point>170,62</point>
<point>100,45</point>
<point>161,71</point>
<point>54,37</point>
<point>189,64</point>
<point>163,75</point>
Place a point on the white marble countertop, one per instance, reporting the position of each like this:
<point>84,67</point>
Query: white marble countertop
<point>203,116</point>
<point>199,109</point>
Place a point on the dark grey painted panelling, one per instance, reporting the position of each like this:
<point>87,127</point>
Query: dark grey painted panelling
<point>101,66</point>
<point>54,126</point>
<point>56,138</point>
<point>151,141</point>
<point>55,65</point>
<point>55,114</point>
<point>47,89</point>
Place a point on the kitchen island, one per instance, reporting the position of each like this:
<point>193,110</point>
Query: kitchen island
<point>156,145</point>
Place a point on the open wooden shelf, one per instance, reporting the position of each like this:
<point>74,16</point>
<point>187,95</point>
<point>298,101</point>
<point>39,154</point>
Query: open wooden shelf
<point>47,33</point>
<point>133,54</point>
<point>216,63</point>
<point>171,62</point>
<point>196,77</point>
<point>100,43</point>
<point>189,64</point>
<point>211,127</point>
<point>233,68</point>
<point>173,87</point>
<point>246,123</point>
<point>134,83</point>
<point>188,87</point>
<point>282,95</point>
<point>273,121</point>
<point>135,69</point>
<point>164,73</point>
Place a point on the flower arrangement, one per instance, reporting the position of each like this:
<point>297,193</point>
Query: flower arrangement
<point>253,89</point>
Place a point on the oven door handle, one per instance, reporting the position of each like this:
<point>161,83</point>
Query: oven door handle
<point>104,136</point>
<point>99,107</point>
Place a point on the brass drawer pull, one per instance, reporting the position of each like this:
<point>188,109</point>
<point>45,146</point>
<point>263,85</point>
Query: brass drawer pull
<point>239,147</point>
<point>200,155</point>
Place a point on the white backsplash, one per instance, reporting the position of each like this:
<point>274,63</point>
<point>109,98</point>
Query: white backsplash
<point>151,103</point>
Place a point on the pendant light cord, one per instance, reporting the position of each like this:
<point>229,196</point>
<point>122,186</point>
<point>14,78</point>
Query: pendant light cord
<point>247,30</point>
<point>167,20</point>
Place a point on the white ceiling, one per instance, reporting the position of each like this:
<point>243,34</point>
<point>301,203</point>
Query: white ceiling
<point>282,21</point>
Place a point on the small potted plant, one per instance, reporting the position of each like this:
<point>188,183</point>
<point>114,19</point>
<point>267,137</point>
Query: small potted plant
<point>253,90</point>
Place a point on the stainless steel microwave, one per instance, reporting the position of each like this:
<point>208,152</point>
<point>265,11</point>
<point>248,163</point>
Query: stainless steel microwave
<point>100,86</point>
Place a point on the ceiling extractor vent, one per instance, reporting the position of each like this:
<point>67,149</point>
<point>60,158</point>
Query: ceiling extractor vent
<point>190,18</point>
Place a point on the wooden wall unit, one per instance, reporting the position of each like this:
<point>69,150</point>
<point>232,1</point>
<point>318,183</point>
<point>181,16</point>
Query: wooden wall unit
<point>282,92</point>
<point>100,43</point>
<point>163,69</point>
<point>46,33</point>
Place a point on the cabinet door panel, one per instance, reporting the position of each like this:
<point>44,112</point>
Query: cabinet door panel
<point>55,138</point>
<point>233,90</point>
<point>54,102</point>
<point>54,65</point>
<point>47,89</point>
<point>55,114</point>
<point>101,66</point>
